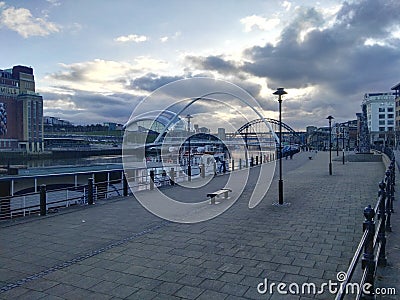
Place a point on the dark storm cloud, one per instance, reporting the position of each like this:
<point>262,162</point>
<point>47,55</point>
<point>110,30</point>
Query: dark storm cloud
<point>73,75</point>
<point>354,55</point>
<point>91,107</point>
<point>213,63</point>
<point>336,57</point>
<point>150,82</point>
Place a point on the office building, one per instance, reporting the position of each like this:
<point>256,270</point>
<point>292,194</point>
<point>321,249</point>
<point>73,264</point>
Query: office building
<point>396,90</point>
<point>380,117</point>
<point>21,111</point>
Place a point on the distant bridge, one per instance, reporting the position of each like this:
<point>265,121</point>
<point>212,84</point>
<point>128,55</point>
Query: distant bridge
<point>256,131</point>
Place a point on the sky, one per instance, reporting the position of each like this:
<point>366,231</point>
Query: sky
<point>95,60</point>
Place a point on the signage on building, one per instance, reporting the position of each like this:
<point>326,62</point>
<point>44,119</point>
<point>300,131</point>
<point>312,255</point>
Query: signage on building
<point>3,119</point>
<point>8,90</point>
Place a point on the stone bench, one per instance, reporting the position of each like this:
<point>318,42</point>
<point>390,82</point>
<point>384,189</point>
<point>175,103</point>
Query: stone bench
<point>217,194</point>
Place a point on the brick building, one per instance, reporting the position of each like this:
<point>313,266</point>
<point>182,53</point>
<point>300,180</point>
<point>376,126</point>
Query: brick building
<point>21,111</point>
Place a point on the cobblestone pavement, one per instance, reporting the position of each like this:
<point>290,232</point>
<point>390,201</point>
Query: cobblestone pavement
<point>118,250</point>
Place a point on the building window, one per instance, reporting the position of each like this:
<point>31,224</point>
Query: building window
<point>381,116</point>
<point>390,128</point>
<point>381,109</point>
<point>390,109</point>
<point>381,122</point>
<point>390,122</point>
<point>390,116</point>
<point>381,128</point>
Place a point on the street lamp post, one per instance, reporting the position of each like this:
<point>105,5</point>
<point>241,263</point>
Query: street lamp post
<point>337,139</point>
<point>189,169</point>
<point>343,143</point>
<point>280,92</point>
<point>330,144</point>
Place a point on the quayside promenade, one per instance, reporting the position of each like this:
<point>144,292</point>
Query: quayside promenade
<point>115,249</point>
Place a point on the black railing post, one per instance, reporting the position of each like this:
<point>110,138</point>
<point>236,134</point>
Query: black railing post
<point>368,260</point>
<point>394,170</point>
<point>43,200</point>
<point>393,184</point>
<point>172,176</point>
<point>152,180</point>
<point>90,191</point>
<point>389,184</point>
<point>124,185</point>
<point>382,215</point>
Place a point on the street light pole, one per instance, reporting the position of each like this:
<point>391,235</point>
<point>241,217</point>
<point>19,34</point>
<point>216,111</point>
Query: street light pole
<point>337,139</point>
<point>280,92</point>
<point>343,142</point>
<point>189,170</point>
<point>330,144</point>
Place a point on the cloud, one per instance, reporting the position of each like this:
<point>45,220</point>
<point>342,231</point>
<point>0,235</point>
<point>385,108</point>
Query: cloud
<point>336,59</point>
<point>83,107</point>
<point>54,2</point>
<point>168,38</point>
<point>104,76</point>
<point>131,38</point>
<point>22,21</point>
<point>151,82</point>
<point>286,5</point>
<point>213,63</point>
<point>256,22</point>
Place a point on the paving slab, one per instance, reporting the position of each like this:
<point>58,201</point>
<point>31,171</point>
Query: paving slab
<point>118,249</point>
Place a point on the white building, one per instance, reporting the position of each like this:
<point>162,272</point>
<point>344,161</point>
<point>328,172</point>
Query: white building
<point>380,117</point>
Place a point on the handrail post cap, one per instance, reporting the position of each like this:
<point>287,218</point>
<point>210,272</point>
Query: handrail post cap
<point>382,185</point>
<point>369,213</point>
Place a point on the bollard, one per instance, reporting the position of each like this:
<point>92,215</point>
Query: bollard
<point>233,165</point>
<point>382,261</point>
<point>203,170</point>
<point>152,180</point>
<point>368,260</point>
<point>124,185</point>
<point>189,173</point>
<point>172,176</point>
<point>90,191</point>
<point>240,163</point>
<point>215,168</point>
<point>164,178</point>
<point>43,200</point>
<point>256,160</point>
<point>252,161</point>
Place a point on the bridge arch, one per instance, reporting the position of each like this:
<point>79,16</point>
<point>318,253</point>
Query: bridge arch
<point>255,128</point>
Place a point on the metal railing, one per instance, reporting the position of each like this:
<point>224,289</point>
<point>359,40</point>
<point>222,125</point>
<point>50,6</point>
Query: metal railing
<point>373,242</point>
<point>47,199</point>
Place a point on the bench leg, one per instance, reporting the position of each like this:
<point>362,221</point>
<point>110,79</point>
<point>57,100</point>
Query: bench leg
<point>212,200</point>
<point>226,195</point>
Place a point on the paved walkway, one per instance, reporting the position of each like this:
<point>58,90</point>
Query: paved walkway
<point>118,250</point>
<point>390,275</point>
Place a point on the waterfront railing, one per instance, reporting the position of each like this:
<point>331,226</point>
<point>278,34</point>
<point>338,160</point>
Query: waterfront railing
<point>84,188</point>
<point>372,246</point>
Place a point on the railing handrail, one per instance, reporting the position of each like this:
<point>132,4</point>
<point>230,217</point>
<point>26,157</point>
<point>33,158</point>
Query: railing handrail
<point>374,233</point>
